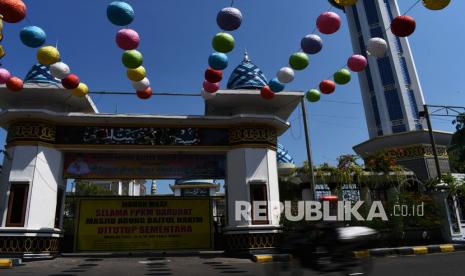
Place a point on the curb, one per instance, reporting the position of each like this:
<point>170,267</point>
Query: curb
<point>410,250</point>
<point>271,258</point>
<point>378,252</point>
<point>9,263</point>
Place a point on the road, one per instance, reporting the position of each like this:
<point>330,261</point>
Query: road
<point>452,264</point>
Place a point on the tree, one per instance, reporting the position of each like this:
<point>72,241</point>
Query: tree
<point>457,149</point>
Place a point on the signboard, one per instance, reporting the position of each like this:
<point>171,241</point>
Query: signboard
<point>143,166</point>
<point>147,223</point>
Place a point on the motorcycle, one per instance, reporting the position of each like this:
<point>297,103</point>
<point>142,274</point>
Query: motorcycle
<point>329,249</point>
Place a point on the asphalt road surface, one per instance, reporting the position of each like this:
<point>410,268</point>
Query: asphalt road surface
<point>452,264</point>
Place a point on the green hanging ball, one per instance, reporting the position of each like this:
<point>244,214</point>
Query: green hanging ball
<point>299,61</point>
<point>223,42</point>
<point>342,76</point>
<point>313,95</point>
<point>132,59</point>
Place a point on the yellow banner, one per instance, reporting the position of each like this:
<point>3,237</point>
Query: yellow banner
<point>146,223</point>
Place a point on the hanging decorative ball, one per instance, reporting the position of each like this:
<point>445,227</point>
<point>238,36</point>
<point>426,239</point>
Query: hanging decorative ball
<point>345,2</point>
<point>32,36</point>
<point>311,44</point>
<point>14,84</point>
<point>313,95</point>
<point>436,4</point>
<point>132,59</point>
<point>13,11</point>
<point>120,13</point>
<point>328,22</point>
<point>342,76</point>
<point>59,70</point>
<point>4,75</point>
<point>48,55</point>
<point>357,63</point>
<point>136,74</point>
<point>211,87</point>
<point>71,81</point>
<point>403,26</point>
<point>229,19</point>
<point>218,61</point>
<point>376,47</point>
<point>299,61</point>
<point>275,85</point>
<point>207,96</point>
<point>266,93</point>
<point>213,76</point>
<point>141,85</point>
<point>223,42</point>
<point>327,86</point>
<point>81,91</point>
<point>145,94</point>
<point>285,75</point>
<point>127,39</point>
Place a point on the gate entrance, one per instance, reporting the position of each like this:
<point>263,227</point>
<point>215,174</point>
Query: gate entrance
<point>235,140</point>
<point>142,220</point>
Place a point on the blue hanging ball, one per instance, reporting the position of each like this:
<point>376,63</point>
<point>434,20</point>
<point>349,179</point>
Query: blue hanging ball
<point>120,13</point>
<point>32,36</point>
<point>218,61</point>
<point>275,85</point>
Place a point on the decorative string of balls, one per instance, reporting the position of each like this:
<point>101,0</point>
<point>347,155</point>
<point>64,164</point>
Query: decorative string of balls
<point>327,86</point>
<point>50,56</point>
<point>311,44</point>
<point>13,11</point>
<point>122,14</point>
<point>345,2</point>
<point>357,63</point>
<point>228,19</point>
<point>299,61</point>
<point>313,95</point>
<point>267,93</point>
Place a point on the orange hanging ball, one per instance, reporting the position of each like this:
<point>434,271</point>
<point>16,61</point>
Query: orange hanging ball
<point>14,84</point>
<point>13,11</point>
<point>145,94</point>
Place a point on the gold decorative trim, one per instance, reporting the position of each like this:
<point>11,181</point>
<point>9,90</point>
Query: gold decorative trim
<point>35,245</point>
<point>238,242</point>
<point>416,151</point>
<point>253,135</point>
<point>32,131</point>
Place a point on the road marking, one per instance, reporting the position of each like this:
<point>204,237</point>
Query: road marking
<point>447,248</point>
<point>420,250</point>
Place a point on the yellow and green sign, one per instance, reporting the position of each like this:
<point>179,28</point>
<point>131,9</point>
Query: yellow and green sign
<point>147,223</point>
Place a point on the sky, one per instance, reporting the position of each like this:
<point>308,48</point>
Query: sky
<point>176,42</point>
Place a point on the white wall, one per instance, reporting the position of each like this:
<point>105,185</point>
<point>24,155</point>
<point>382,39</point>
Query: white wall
<point>41,167</point>
<point>247,165</point>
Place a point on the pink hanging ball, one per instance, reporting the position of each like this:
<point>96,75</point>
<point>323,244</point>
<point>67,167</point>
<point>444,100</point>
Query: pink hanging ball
<point>357,63</point>
<point>4,75</point>
<point>328,22</point>
<point>127,39</point>
<point>211,87</point>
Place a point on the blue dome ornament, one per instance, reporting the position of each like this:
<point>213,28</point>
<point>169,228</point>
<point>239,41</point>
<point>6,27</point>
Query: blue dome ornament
<point>275,85</point>
<point>120,13</point>
<point>218,61</point>
<point>32,36</point>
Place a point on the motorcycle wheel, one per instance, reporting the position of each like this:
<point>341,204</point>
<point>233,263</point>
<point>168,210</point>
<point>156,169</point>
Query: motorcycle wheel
<point>360,266</point>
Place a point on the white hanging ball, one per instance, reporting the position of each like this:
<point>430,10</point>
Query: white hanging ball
<point>285,75</point>
<point>141,85</point>
<point>207,96</point>
<point>59,70</point>
<point>377,47</point>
